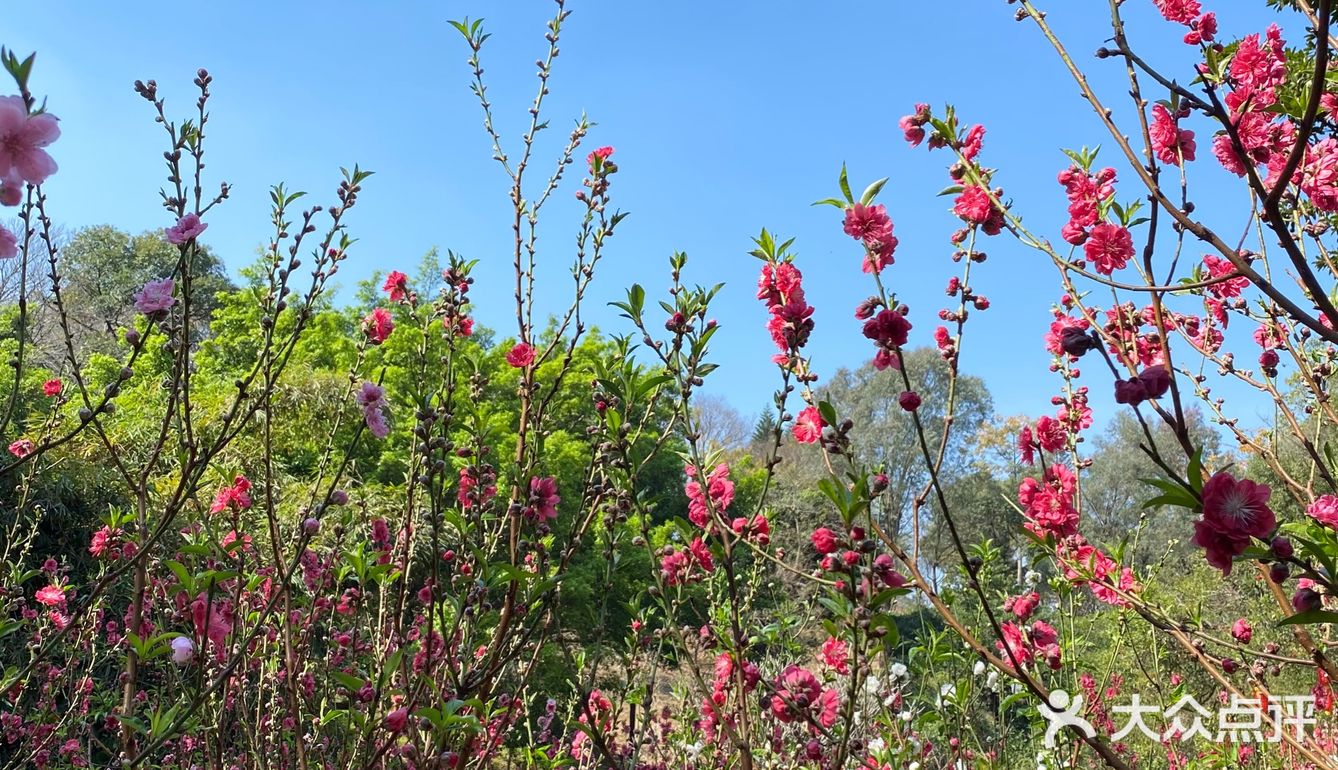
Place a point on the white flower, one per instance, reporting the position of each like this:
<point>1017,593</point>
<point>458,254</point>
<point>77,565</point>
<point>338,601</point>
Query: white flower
<point>183,649</point>
<point>947,692</point>
<point>914,766</point>
<point>992,679</point>
<point>1032,577</point>
<point>877,744</point>
<point>898,670</point>
<point>872,685</point>
<point>979,668</point>
<point>906,716</point>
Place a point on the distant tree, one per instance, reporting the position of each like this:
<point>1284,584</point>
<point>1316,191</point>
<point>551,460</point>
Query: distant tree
<point>719,425</point>
<point>102,268</point>
<point>763,429</point>
<point>884,434</point>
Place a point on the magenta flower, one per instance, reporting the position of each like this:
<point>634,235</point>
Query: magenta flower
<point>1241,631</point>
<point>1219,547</point>
<point>397,720</point>
<point>51,596</point>
<point>1238,506</point>
<point>378,325</point>
<point>543,500</point>
<point>796,690</point>
<point>236,497</point>
<point>1109,247</point>
<point>1324,510</point>
<point>520,356</point>
<point>718,486</point>
<point>155,297</point>
<point>21,448</point>
<point>9,244</point>
<point>1171,142</point>
<point>396,285</point>
<point>824,541</point>
<point>22,137</point>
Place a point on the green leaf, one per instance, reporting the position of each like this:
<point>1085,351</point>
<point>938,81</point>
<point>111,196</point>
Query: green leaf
<point>828,412</point>
<point>845,185</point>
<point>1310,617</point>
<point>1195,470</point>
<point>871,192</point>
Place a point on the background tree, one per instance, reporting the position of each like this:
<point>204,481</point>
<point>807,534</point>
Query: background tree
<point>101,269</point>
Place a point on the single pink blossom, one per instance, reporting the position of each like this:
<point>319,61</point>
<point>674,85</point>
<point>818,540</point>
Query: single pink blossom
<point>187,229</point>
<point>808,426</point>
<point>1324,510</point>
<point>22,139</point>
<point>155,297</point>
<point>51,596</point>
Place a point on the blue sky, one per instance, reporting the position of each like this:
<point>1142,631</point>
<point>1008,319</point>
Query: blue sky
<point>727,117</point>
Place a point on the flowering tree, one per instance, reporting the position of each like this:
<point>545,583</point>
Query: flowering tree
<point>397,591</point>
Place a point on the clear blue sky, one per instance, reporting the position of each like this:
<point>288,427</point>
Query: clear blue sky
<point>727,117</point>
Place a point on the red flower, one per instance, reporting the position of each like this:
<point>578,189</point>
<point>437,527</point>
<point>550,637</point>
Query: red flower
<point>22,448</point>
<point>1109,247</point>
<point>1219,547</point>
<point>51,388</point>
<point>808,426</point>
<point>397,720</point>
<point>909,400</point>
<point>888,329</point>
<point>1238,506</point>
<point>873,227</point>
<point>836,655</point>
<point>718,486</point>
<point>1241,631</point>
<point>602,154</point>
<point>824,541</point>
<point>1051,435</point>
<point>396,285</point>
<point>974,206</point>
<point>1169,141</point>
<point>701,554</point>
<point>796,690</point>
<point>1220,268</point>
<point>1048,504</point>
<point>378,325</point>
<point>236,497</point>
<point>780,284</point>
<point>520,356</point>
